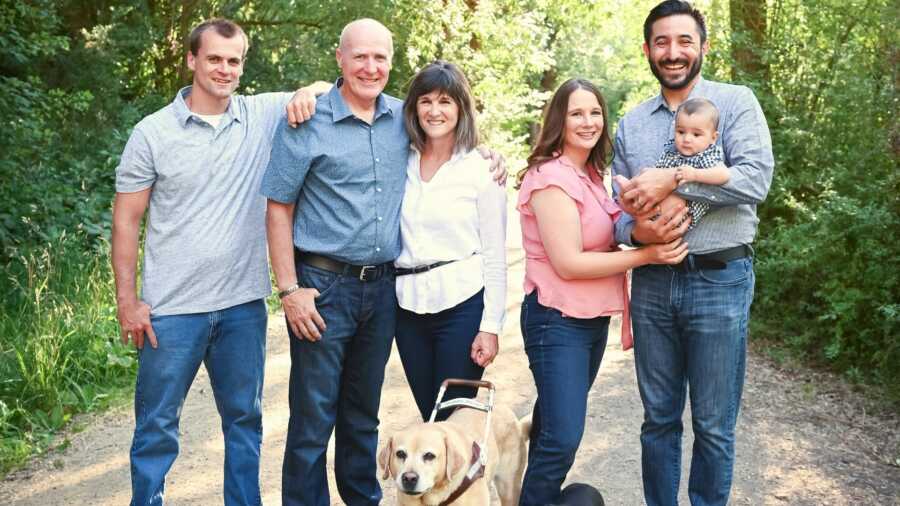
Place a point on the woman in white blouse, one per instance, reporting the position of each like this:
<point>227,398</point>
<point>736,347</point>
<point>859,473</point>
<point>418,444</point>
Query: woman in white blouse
<point>451,273</point>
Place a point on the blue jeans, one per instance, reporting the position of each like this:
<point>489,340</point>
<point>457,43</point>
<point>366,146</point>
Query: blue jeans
<point>434,347</point>
<point>564,355</point>
<point>335,385</point>
<point>231,343</point>
<point>690,335</point>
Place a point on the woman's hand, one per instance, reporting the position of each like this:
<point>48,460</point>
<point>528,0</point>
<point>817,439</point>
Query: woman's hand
<point>668,253</point>
<point>484,348</point>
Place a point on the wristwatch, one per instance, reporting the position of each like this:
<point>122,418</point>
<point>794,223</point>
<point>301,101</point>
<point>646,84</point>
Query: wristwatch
<point>289,290</point>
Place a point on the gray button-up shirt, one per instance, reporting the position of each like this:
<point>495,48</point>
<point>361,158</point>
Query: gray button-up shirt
<point>346,177</point>
<point>205,245</point>
<point>744,138</point>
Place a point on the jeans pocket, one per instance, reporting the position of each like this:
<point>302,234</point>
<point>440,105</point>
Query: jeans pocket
<point>323,281</point>
<point>536,320</point>
<point>736,272</point>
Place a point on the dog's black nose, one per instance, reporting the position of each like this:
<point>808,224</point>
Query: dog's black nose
<point>409,480</point>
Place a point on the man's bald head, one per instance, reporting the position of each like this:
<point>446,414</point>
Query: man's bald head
<point>364,56</point>
<point>366,29</point>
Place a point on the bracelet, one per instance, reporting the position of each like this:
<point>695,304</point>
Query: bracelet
<point>289,290</point>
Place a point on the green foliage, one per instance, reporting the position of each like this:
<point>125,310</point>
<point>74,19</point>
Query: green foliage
<point>59,353</point>
<point>827,279</point>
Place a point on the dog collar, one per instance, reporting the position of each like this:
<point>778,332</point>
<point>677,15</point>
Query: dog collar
<point>476,471</point>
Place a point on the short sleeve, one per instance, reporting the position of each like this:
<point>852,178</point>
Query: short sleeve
<point>135,171</point>
<point>551,173</point>
<point>288,164</point>
<point>270,108</point>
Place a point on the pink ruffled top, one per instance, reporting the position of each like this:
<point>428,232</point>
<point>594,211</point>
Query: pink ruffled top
<point>581,298</point>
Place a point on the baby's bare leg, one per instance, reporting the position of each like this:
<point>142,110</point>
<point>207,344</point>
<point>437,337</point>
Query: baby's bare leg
<point>667,203</point>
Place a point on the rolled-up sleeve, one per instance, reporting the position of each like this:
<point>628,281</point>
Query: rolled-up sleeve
<point>625,224</point>
<point>288,164</point>
<point>748,153</point>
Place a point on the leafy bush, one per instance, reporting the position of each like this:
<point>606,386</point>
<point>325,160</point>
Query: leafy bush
<point>58,342</point>
<point>828,287</point>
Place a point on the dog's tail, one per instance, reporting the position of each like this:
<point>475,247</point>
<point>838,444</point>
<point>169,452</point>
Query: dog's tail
<point>525,427</point>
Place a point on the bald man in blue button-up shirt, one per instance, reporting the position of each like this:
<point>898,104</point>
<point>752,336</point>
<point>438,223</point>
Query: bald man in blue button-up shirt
<point>335,185</point>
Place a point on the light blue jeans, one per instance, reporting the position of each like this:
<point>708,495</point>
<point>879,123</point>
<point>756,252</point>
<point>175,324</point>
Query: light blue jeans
<point>690,335</point>
<point>232,345</point>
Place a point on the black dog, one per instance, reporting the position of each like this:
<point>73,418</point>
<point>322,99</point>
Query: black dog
<point>580,494</point>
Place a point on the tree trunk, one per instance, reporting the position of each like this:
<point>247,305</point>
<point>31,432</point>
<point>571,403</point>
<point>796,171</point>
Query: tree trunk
<point>748,41</point>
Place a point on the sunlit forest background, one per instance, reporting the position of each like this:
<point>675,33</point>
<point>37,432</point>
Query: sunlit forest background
<point>76,75</point>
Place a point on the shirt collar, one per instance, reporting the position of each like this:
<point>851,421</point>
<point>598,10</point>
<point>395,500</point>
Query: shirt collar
<point>660,103</point>
<point>457,155</point>
<point>184,113</point>
<point>340,110</point>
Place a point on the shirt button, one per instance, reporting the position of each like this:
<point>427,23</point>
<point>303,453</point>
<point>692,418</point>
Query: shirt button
<point>378,189</point>
<point>377,160</point>
<point>379,218</point>
<point>377,249</point>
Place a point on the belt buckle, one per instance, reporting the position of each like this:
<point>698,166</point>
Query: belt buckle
<point>364,273</point>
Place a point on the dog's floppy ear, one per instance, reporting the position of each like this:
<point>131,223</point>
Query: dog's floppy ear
<point>384,459</point>
<point>456,461</point>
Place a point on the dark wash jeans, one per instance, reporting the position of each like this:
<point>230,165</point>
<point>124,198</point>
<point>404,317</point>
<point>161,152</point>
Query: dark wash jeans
<point>690,336</point>
<point>437,346</point>
<point>231,343</point>
<point>335,384</point>
<point>564,355</point>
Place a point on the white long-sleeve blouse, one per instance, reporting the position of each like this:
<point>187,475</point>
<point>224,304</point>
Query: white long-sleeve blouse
<point>459,215</point>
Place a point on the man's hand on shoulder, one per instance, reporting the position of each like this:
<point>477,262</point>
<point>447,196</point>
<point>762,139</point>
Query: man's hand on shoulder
<point>498,164</point>
<point>303,104</point>
<point>134,323</point>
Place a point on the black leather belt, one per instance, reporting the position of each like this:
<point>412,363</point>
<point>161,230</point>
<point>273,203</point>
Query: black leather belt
<point>364,273</point>
<point>716,260</point>
<point>403,271</point>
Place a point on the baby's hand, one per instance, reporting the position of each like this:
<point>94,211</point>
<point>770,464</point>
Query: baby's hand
<point>684,174</point>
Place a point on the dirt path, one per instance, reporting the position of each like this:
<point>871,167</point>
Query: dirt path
<point>796,444</point>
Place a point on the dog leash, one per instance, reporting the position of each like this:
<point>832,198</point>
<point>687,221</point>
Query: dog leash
<point>476,471</point>
<point>479,452</point>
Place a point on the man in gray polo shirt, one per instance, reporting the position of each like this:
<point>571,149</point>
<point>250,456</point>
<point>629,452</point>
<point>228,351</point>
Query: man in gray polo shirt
<point>690,320</point>
<point>197,164</point>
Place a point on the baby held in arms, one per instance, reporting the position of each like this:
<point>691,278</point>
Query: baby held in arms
<point>694,153</point>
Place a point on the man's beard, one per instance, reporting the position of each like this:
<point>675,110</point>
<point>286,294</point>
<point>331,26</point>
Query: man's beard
<point>677,85</point>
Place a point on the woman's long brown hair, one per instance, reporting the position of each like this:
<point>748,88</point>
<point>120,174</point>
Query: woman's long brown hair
<point>553,131</point>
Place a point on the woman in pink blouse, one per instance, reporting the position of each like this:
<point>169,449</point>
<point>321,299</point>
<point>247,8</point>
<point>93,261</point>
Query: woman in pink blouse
<point>574,277</point>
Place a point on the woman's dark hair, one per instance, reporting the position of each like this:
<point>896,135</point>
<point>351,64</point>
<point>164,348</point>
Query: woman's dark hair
<point>446,78</point>
<point>674,8</point>
<point>550,141</point>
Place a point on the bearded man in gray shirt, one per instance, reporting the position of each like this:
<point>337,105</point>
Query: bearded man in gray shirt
<point>197,164</point>
<point>690,320</point>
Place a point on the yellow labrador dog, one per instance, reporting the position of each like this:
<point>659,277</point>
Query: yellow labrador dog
<point>429,461</point>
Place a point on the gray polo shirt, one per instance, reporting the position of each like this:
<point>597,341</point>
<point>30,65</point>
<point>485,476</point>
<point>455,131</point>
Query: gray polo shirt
<point>205,244</point>
<point>346,177</point>
<point>744,137</point>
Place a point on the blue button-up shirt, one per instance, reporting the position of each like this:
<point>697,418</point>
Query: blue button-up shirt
<point>347,178</point>
<point>744,138</point>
